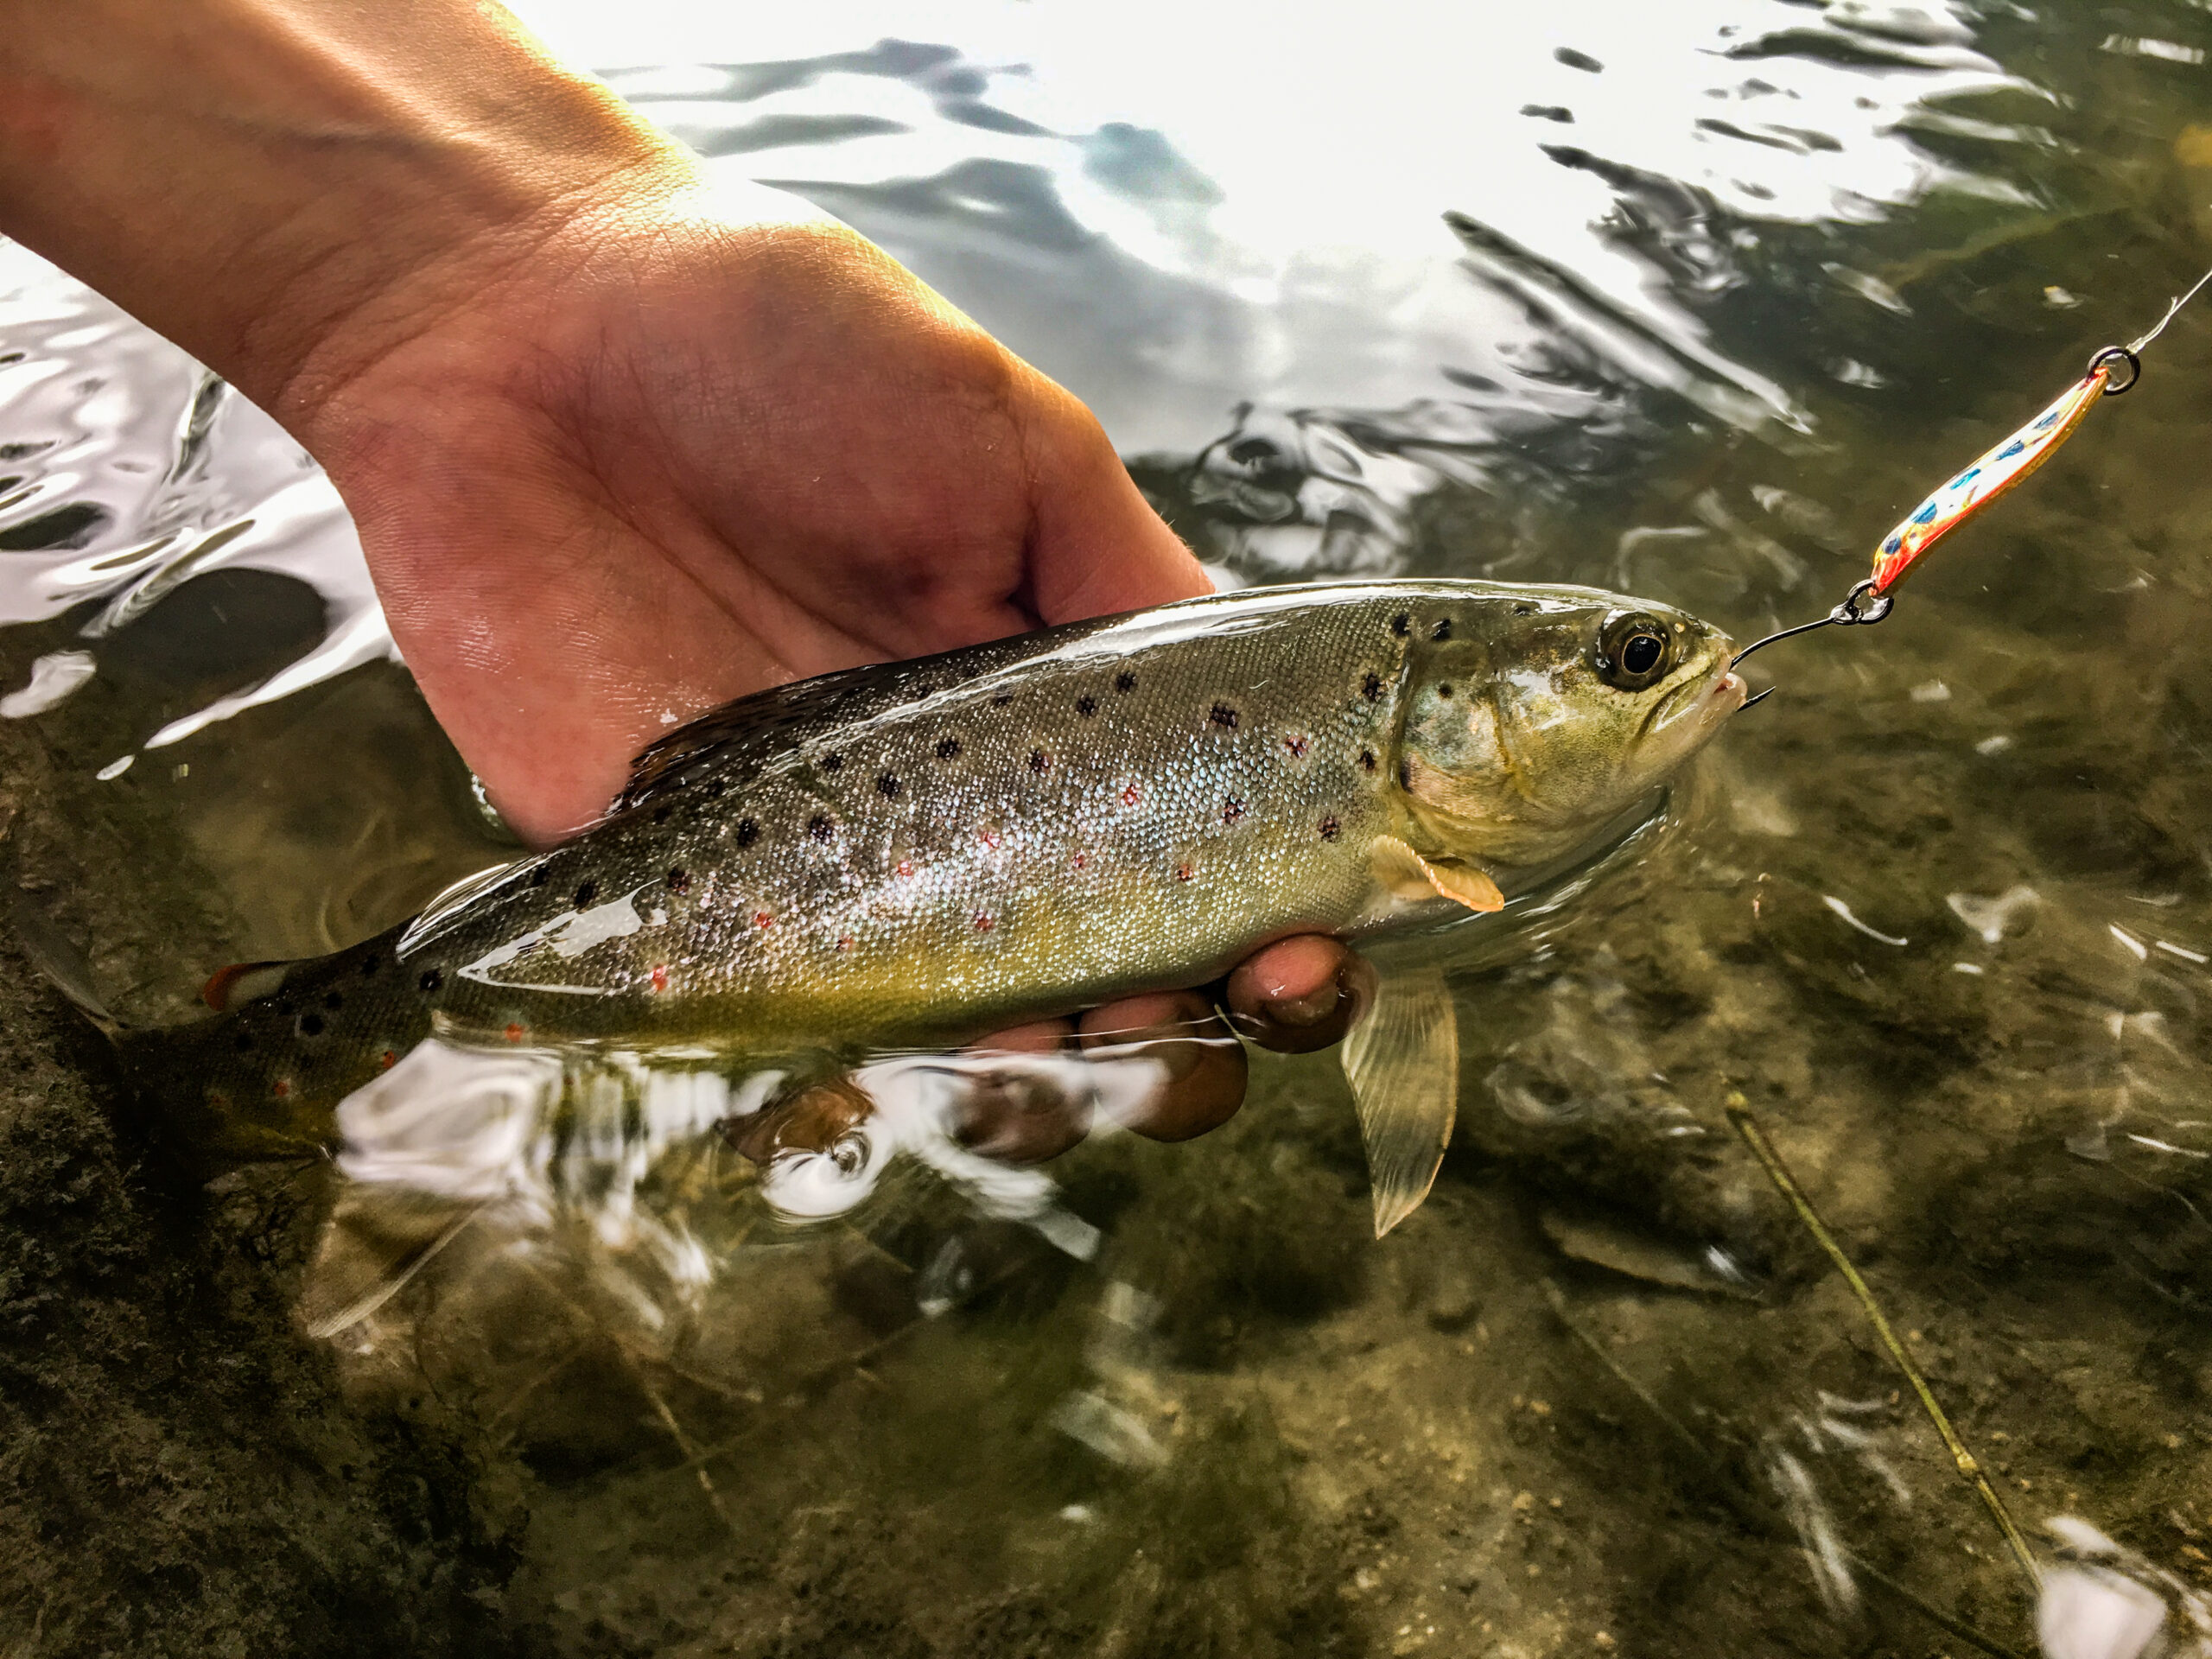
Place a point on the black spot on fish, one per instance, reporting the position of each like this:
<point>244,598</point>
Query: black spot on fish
<point>286,1006</point>
<point>947,749</point>
<point>245,1042</point>
<point>1443,690</point>
<point>431,979</point>
<point>333,1001</point>
<point>714,787</point>
<point>1002,699</point>
<point>586,893</point>
<point>1231,811</point>
<point>1524,608</point>
<point>886,786</point>
<point>819,827</point>
<point>1371,686</point>
<point>678,880</point>
<point>537,876</point>
<point>369,966</point>
<point>1366,759</point>
<point>748,832</point>
<point>1038,761</point>
<point>1400,623</point>
<point>1086,707</point>
<point>1223,715</point>
<point>1328,828</point>
<point>1406,775</point>
<point>310,1025</point>
<point>833,762</point>
<point>660,814</point>
<point>1442,629</point>
<point>1125,682</point>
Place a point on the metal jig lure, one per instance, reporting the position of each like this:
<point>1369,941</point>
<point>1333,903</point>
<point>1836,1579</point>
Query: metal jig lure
<point>1991,474</point>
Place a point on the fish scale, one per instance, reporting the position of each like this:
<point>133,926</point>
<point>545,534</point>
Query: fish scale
<point>920,897</point>
<point>916,853</point>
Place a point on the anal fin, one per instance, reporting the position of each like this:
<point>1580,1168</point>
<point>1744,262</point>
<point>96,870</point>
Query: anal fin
<point>1402,1061</point>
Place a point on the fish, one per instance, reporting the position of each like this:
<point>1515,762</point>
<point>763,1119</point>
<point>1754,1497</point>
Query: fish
<point>914,855</point>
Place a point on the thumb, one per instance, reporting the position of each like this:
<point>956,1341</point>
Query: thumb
<point>1098,546</point>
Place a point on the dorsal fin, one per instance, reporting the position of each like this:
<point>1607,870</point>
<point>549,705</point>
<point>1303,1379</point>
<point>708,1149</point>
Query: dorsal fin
<point>739,739</point>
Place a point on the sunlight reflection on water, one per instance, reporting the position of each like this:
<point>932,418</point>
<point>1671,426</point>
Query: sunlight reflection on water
<point>1689,299</point>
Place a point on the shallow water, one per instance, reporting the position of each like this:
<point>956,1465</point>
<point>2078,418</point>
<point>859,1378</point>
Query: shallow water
<point>1693,301</point>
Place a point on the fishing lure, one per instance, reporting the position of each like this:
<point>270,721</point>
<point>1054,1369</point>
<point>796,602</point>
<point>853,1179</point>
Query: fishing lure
<point>2111,370</point>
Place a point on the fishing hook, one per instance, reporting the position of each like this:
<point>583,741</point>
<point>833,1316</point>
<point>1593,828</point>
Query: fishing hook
<point>1861,606</point>
<point>1997,471</point>
<point>1850,613</point>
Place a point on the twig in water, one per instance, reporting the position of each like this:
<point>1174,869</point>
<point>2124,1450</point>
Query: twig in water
<point>1748,1509</point>
<point>1762,1148</point>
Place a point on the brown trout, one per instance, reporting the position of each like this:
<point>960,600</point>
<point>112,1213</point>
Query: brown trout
<point>916,853</point>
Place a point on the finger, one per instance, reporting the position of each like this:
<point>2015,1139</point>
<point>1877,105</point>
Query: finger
<point>1201,1066</point>
<point>1299,995</point>
<point>1021,1116</point>
<point>1041,1037</point>
<point>813,1120</point>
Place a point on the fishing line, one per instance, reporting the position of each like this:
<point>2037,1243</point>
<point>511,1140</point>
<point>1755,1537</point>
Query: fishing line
<point>1966,494</point>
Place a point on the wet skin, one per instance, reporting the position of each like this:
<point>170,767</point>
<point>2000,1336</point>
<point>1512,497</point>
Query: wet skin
<point>621,445</point>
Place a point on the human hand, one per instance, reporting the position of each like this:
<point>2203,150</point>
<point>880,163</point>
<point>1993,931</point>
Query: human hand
<point>662,460</point>
<point>619,445</point>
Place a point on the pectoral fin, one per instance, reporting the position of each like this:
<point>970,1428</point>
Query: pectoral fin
<point>1410,876</point>
<point>1402,1061</point>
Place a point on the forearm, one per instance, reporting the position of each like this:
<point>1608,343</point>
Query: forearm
<point>266,180</point>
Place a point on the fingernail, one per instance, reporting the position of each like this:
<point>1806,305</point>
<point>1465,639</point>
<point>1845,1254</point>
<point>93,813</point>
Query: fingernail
<point>1305,1010</point>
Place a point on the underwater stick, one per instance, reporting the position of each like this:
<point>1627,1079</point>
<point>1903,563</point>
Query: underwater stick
<point>1755,1137</point>
<point>1748,1509</point>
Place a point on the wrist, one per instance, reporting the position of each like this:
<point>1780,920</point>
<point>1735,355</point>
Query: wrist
<point>266,181</point>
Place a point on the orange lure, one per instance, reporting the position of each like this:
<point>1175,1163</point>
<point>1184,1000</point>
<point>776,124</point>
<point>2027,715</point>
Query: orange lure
<point>2111,371</point>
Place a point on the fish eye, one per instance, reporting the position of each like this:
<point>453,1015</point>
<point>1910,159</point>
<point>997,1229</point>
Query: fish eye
<point>1634,652</point>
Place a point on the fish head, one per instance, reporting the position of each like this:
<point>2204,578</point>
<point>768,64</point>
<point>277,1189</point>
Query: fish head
<point>1523,738</point>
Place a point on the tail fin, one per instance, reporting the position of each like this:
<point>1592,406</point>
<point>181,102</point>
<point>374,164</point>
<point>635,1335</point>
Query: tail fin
<point>56,956</point>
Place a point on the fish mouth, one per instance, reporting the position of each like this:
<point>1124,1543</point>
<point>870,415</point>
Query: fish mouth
<point>1696,708</point>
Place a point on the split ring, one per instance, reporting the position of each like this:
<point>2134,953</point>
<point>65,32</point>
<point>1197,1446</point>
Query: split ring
<point>2110,355</point>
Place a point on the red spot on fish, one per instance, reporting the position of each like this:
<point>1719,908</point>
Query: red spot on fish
<point>514,1033</point>
<point>219,1100</point>
<point>1296,746</point>
<point>762,919</point>
<point>1129,796</point>
<point>281,1088</point>
<point>660,976</point>
<point>845,944</point>
<point>906,869</point>
<point>990,838</point>
<point>1081,860</point>
<point>1183,872</point>
<point>1231,811</point>
<point>984,923</point>
<point>388,1060</point>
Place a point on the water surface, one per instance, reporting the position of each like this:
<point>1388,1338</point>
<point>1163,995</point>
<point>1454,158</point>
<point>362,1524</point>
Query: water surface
<point>1693,301</point>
